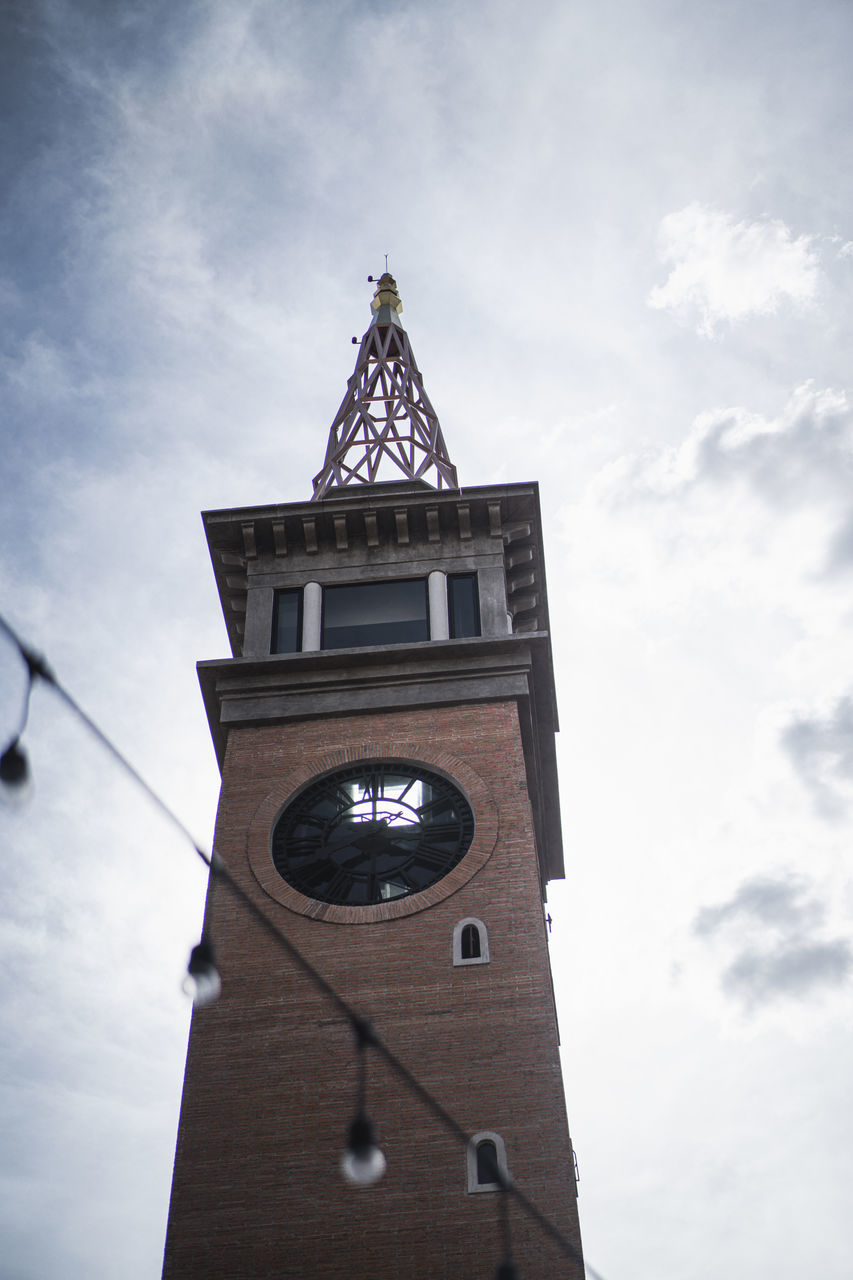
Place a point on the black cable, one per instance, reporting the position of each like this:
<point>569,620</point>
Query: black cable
<point>363,1029</point>
<point>506,1234</point>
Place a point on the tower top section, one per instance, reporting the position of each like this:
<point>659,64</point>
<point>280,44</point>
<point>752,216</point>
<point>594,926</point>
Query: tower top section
<point>386,421</point>
<point>387,303</point>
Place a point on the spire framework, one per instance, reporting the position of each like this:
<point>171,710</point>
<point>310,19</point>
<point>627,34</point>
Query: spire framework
<point>386,417</point>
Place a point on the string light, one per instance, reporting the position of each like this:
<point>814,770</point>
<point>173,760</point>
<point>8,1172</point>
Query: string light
<point>14,765</point>
<point>363,1162</point>
<point>361,1137</point>
<point>203,982</point>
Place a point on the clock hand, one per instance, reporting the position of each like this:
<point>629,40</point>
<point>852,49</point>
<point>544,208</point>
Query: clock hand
<point>362,831</point>
<point>351,837</point>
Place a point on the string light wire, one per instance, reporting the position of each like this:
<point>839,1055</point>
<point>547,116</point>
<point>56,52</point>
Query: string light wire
<point>363,1029</point>
<point>506,1269</point>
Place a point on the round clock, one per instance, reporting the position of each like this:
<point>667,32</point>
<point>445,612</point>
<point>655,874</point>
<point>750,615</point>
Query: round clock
<point>371,832</point>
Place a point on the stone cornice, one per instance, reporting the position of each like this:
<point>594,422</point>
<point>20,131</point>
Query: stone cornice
<point>243,692</point>
<point>367,523</point>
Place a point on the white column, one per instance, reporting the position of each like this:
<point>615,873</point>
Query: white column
<point>312,613</point>
<point>439,623</point>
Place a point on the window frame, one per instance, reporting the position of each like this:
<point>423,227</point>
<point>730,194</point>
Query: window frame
<point>458,929</point>
<point>474,1186</point>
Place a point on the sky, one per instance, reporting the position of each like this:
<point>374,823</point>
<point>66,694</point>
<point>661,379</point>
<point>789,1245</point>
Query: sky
<point>624,242</point>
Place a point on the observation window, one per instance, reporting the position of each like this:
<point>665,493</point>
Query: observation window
<point>364,613</point>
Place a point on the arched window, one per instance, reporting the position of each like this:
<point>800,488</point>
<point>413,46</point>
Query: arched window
<point>470,942</point>
<point>486,1161</point>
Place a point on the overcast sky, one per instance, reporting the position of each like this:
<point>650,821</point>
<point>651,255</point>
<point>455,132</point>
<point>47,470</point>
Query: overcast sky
<point>623,237</point>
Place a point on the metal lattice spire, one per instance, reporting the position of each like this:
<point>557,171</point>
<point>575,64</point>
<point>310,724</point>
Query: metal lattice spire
<point>386,415</point>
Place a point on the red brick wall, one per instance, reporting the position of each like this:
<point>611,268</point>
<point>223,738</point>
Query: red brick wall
<point>271,1072</point>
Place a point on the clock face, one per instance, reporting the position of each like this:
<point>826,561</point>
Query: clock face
<point>371,832</point>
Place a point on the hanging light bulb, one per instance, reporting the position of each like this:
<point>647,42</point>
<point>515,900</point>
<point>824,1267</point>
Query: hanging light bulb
<point>362,1163</point>
<point>202,982</point>
<point>14,767</point>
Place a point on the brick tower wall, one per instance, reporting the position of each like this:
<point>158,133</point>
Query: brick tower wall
<point>271,1070</point>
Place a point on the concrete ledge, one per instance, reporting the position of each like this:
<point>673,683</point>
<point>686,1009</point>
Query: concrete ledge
<point>241,692</point>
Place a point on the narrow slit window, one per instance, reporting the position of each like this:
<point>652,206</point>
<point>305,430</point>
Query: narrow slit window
<point>287,622</point>
<point>463,605</point>
<point>471,942</point>
<point>487,1163</point>
<point>487,1168</point>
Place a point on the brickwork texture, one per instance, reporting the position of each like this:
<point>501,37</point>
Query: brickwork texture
<point>271,1075</point>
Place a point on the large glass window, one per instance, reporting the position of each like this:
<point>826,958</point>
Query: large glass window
<point>287,622</point>
<point>394,612</point>
<point>463,604</point>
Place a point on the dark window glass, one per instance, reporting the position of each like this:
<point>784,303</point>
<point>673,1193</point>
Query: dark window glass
<point>375,613</point>
<point>470,942</point>
<point>487,1162</point>
<point>287,622</point>
<point>464,605</point>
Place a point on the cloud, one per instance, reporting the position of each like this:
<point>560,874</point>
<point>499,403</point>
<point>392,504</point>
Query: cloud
<point>775,904</point>
<point>794,970</point>
<point>840,553</point>
<point>820,749</point>
<point>723,271</point>
<point>798,463</point>
<point>769,927</point>
<point>803,455</point>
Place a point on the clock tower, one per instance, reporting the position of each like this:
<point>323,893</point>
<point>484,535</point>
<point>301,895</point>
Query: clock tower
<point>385,732</point>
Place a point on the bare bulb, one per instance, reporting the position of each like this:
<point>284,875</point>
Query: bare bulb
<point>14,768</point>
<point>15,772</point>
<point>362,1163</point>
<point>202,982</point>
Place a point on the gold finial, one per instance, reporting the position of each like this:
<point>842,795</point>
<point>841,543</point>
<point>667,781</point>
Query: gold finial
<point>386,293</point>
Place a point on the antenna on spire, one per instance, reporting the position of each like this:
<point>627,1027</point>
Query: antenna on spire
<point>372,279</point>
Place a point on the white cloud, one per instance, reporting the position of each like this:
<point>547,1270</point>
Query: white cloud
<point>799,464</point>
<point>780,904</point>
<point>723,271</point>
<point>800,456</point>
<point>797,970</point>
<point>771,927</point>
<point>820,749</point>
